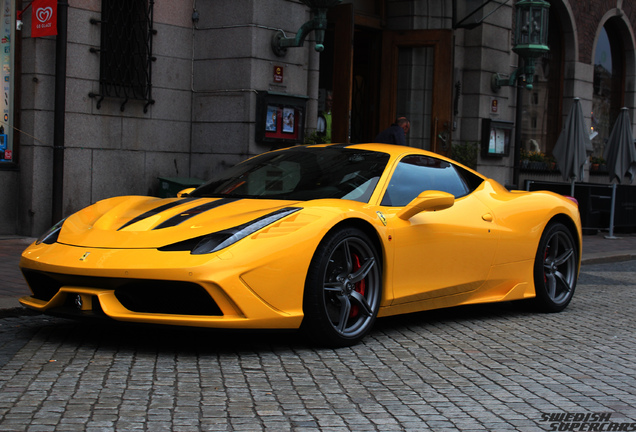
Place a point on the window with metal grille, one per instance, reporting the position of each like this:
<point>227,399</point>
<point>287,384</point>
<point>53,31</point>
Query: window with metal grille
<point>125,69</point>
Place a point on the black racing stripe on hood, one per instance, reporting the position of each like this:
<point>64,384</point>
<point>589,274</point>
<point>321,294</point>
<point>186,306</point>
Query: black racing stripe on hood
<point>181,217</point>
<point>153,212</point>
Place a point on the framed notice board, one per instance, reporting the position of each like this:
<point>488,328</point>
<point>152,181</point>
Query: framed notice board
<point>280,118</point>
<point>495,137</point>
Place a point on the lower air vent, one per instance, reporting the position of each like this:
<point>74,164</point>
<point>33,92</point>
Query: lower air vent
<point>136,295</point>
<point>43,285</point>
<point>166,297</point>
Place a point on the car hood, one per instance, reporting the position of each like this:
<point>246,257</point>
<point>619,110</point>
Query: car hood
<point>146,222</point>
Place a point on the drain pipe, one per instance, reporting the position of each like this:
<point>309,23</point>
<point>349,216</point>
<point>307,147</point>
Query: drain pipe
<point>59,111</point>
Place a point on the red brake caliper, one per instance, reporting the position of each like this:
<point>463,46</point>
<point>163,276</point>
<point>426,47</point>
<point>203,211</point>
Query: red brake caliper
<point>360,286</point>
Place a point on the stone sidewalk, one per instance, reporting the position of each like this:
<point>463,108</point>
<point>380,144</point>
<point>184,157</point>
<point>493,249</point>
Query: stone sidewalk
<point>497,367</point>
<point>12,284</point>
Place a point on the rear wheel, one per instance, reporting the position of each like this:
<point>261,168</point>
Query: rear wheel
<point>343,289</point>
<point>555,268</point>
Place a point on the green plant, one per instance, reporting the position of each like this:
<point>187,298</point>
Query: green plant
<point>597,160</point>
<point>536,156</point>
<point>465,153</point>
<point>315,138</point>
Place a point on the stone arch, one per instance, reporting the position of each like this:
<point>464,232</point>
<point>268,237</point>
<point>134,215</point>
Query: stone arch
<point>571,52</point>
<point>625,32</point>
<point>569,30</point>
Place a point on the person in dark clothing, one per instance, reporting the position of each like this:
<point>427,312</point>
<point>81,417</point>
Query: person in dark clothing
<point>396,133</point>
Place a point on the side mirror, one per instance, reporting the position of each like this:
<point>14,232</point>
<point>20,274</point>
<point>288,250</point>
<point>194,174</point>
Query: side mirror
<point>185,192</point>
<point>427,201</point>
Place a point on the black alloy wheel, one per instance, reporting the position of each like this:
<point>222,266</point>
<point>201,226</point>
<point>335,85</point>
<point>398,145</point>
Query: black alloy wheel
<point>555,268</point>
<point>343,288</point>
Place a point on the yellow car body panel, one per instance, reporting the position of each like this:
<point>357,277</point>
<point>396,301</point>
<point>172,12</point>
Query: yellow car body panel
<point>480,249</point>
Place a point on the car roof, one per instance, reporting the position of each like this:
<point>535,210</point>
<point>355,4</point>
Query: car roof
<point>395,151</point>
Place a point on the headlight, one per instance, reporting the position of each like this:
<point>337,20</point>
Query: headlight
<point>50,236</point>
<point>220,240</point>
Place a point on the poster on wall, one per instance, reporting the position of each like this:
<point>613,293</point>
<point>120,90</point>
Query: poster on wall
<point>281,122</point>
<point>496,137</point>
<point>498,140</point>
<point>288,120</point>
<point>271,119</point>
<point>6,37</point>
<point>280,118</point>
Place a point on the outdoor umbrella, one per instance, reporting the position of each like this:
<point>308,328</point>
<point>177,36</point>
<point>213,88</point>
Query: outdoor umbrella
<point>620,154</point>
<point>570,150</point>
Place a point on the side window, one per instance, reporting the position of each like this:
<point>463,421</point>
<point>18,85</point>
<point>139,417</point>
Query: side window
<point>416,174</point>
<point>471,180</point>
<point>125,54</point>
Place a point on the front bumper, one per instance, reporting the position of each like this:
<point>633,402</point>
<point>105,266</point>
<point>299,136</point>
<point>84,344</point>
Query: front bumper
<point>149,286</point>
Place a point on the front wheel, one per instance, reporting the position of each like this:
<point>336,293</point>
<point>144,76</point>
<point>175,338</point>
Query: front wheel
<point>555,268</point>
<point>343,288</point>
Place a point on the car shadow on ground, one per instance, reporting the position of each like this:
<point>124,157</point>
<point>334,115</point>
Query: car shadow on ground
<point>458,314</point>
<point>107,334</point>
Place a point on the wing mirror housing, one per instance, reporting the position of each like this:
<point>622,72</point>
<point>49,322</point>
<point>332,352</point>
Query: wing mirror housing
<point>427,201</point>
<point>185,192</point>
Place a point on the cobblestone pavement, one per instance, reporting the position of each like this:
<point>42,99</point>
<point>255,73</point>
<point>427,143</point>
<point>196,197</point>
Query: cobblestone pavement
<point>481,368</point>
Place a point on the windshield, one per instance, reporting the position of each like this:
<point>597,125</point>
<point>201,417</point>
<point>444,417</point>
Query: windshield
<point>301,173</point>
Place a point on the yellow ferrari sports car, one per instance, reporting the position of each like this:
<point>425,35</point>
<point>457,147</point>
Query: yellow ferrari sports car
<point>322,238</point>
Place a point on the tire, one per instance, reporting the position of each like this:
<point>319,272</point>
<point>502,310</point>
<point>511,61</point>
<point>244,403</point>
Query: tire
<point>343,289</point>
<point>555,268</point>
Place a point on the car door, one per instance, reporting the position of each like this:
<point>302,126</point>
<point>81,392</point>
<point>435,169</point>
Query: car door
<point>444,252</point>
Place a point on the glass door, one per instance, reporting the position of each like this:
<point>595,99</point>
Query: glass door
<point>416,66</point>
<point>417,84</point>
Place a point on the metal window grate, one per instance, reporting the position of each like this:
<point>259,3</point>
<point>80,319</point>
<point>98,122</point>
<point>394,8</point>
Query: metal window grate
<point>126,51</point>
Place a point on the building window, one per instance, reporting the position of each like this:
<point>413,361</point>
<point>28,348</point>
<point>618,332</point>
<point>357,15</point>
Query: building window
<point>541,131</point>
<point>125,69</point>
<point>608,85</point>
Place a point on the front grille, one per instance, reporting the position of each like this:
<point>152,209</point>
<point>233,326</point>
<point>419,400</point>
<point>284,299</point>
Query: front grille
<point>184,298</point>
<point>136,295</point>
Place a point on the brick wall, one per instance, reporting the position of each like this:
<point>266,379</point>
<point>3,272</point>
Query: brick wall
<point>588,15</point>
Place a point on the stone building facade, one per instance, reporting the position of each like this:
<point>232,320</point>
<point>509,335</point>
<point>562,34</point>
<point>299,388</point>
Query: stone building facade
<point>211,74</point>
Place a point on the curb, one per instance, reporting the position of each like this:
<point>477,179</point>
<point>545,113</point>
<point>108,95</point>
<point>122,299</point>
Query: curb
<point>9,302</point>
<point>605,259</point>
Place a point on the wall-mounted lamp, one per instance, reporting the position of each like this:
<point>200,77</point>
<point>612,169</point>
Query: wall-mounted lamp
<point>531,41</point>
<point>319,8</point>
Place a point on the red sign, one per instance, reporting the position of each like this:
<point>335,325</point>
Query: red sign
<point>8,154</point>
<point>278,74</point>
<point>494,105</point>
<point>43,18</point>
